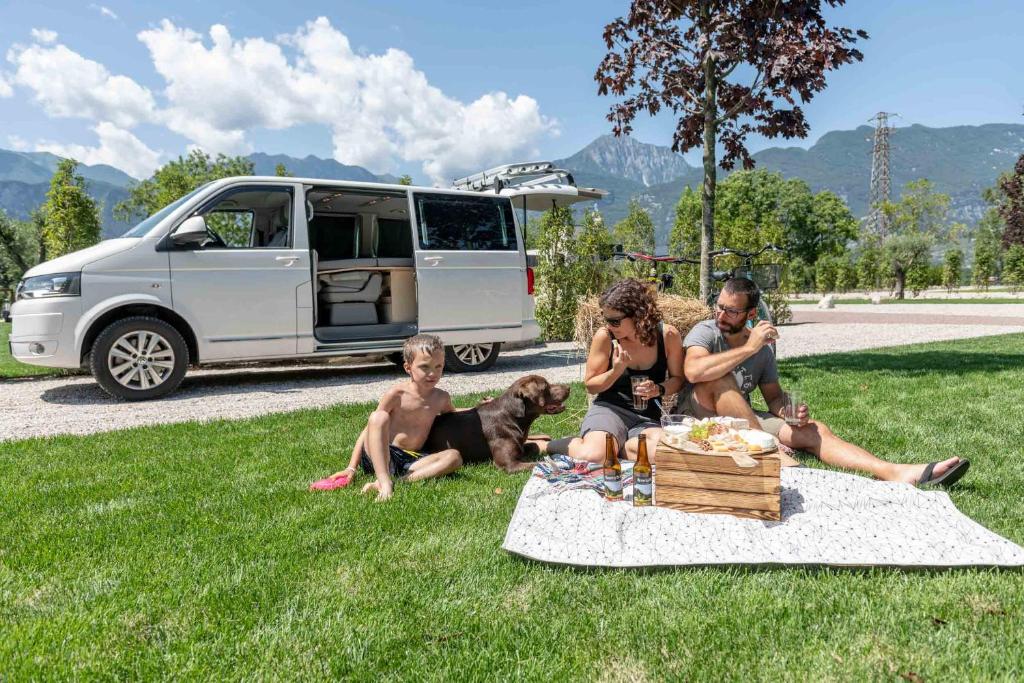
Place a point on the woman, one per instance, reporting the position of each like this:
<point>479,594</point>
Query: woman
<point>634,341</point>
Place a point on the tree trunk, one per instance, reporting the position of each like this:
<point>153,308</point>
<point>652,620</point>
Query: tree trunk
<point>707,232</point>
<point>901,282</point>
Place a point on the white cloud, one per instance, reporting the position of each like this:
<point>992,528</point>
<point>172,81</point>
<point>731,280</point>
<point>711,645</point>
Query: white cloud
<point>44,35</point>
<point>105,11</point>
<point>5,88</point>
<point>69,85</point>
<point>380,109</point>
<point>117,147</point>
<point>216,93</point>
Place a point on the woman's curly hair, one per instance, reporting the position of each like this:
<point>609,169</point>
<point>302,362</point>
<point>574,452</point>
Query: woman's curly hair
<point>635,300</point>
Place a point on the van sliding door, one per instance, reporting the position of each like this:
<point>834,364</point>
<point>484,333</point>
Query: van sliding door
<point>470,267</point>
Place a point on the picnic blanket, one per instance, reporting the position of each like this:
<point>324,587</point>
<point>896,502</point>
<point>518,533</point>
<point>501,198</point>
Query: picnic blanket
<point>828,518</point>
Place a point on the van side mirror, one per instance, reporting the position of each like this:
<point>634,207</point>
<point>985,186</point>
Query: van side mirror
<point>192,231</point>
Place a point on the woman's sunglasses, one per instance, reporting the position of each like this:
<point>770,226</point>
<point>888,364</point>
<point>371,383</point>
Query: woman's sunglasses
<point>615,322</point>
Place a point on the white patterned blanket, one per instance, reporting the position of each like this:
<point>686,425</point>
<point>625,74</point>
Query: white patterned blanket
<point>827,519</point>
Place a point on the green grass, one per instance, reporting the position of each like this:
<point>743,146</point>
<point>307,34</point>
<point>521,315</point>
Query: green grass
<point>10,368</point>
<point>993,300</point>
<point>195,551</point>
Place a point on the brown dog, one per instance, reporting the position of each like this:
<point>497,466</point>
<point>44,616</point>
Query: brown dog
<point>497,429</point>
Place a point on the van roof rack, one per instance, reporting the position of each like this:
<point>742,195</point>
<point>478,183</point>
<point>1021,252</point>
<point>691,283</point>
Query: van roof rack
<point>523,174</point>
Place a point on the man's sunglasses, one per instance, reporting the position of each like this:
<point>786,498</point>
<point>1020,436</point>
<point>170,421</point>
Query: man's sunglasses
<point>615,322</point>
<point>730,311</point>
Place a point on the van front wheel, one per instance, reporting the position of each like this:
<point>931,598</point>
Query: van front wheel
<point>139,358</point>
<point>471,357</point>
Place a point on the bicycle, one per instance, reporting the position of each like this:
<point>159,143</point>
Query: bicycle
<point>766,276</point>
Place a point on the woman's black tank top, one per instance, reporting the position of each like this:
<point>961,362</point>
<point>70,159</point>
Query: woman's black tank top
<point>620,394</point>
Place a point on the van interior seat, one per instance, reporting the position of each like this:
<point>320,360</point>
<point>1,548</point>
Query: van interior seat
<point>352,286</point>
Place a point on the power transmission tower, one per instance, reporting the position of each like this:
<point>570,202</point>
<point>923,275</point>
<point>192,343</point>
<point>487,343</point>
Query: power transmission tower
<point>877,223</point>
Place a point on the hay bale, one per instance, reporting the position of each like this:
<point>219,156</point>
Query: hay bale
<point>680,311</point>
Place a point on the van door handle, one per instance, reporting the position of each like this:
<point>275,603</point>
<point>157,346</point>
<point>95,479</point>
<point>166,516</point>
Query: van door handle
<point>290,259</point>
<point>434,260</point>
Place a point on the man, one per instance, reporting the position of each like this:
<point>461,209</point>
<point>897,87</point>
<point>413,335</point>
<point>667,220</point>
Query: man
<point>726,360</point>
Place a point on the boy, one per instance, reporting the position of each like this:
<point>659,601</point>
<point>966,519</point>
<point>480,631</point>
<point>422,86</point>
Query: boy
<point>388,446</point>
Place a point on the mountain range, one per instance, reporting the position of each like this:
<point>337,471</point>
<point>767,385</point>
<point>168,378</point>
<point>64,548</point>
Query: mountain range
<point>962,161</point>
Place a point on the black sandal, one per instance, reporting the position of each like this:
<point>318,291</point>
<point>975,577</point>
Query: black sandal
<point>947,478</point>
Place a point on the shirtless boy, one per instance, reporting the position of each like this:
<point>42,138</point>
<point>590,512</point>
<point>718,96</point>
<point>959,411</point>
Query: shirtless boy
<point>389,445</point>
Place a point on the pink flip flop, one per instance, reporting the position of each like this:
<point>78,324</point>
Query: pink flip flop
<point>335,481</point>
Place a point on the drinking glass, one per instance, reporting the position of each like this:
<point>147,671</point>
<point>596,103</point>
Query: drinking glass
<point>677,424</point>
<point>639,403</point>
<point>676,429</point>
<point>789,410</point>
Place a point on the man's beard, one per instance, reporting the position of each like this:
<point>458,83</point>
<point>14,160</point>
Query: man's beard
<point>732,329</point>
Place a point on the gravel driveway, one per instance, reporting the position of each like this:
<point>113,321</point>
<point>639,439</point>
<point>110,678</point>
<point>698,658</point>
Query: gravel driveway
<point>76,405</point>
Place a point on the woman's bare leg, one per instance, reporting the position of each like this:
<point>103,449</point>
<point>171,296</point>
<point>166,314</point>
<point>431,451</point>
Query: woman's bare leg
<point>653,435</point>
<point>590,448</point>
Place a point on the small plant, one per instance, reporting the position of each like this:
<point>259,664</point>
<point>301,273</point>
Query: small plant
<point>1013,267</point>
<point>952,263</point>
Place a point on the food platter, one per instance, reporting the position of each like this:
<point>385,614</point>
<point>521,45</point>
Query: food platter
<point>710,437</point>
<point>691,447</point>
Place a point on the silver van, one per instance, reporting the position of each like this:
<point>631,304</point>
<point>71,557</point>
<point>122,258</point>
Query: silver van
<point>271,268</point>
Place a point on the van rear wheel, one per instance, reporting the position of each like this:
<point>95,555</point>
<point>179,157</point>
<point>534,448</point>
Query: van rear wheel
<point>471,357</point>
<point>139,358</point>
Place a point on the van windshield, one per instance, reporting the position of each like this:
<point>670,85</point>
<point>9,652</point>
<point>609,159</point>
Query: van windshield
<point>145,226</point>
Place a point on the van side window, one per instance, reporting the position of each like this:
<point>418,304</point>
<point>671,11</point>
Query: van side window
<point>250,218</point>
<point>458,222</point>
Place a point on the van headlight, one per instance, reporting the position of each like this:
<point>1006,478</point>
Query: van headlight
<point>58,284</point>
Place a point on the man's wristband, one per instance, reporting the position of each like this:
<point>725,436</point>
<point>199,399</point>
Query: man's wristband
<point>661,389</point>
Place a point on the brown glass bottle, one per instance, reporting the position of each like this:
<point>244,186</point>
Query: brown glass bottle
<point>643,488</point>
<point>612,470</point>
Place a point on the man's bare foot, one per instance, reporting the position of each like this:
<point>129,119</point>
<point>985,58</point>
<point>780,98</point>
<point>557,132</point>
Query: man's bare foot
<point>911,474</point>
<point>383,492</point>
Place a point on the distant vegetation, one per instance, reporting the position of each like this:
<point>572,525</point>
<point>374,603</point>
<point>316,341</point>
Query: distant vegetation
<point>825,249</point>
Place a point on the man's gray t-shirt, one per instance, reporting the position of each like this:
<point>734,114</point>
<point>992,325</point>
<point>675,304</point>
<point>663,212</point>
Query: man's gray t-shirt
<point>751,373</point>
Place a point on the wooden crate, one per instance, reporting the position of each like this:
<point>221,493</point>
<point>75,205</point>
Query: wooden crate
<point>714,484</point>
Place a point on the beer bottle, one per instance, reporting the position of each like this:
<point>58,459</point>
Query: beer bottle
<point>612,470</point>
<point>642,486</point>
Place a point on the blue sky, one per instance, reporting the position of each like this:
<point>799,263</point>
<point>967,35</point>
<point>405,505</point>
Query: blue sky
<point>452,86</point>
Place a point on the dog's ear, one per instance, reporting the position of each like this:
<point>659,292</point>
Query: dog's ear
<point>533,389</point>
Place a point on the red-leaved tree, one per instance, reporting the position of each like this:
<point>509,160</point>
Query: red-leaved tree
<point>725,68</point>
<point>1011,204</point>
